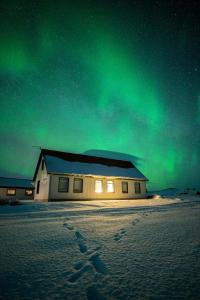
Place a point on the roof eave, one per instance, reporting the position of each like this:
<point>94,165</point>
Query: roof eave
<point>96,175</point>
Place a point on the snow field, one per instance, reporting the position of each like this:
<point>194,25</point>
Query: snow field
<point>101,250</point>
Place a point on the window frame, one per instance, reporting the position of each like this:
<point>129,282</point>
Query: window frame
<point>137,184</point>
<point>77,191</point>
<point>11,189</point>
<point>125,191</point>
<point>98,180</point>
<point>38,187</point>
<point>67,180</point>
<point>113,184</point>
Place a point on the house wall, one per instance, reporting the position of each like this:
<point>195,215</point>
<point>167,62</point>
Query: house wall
<point>20,194</point>
<point>89,188</point>
<point>44,179</point>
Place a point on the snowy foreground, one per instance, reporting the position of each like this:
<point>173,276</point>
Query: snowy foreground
<point>127,249</point>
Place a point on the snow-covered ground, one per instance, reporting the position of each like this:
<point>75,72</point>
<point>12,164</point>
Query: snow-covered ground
<point>127,249</point>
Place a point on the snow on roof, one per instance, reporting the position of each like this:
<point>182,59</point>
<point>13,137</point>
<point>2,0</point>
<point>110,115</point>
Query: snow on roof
<point>15,183</point>
<point>62,166</point>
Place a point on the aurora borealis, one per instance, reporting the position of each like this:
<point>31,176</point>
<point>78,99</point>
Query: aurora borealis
<point>121,76</point>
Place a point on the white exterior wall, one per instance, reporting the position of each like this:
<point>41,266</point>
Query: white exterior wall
<point>44,179</point>
<point>89,188</point>
<point>20,194</point>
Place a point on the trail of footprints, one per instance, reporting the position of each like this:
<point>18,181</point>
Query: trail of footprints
<point>122,232</point>
<point>118,236</point>
<point>91,259</point>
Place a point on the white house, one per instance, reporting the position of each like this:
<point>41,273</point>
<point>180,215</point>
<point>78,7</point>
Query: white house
<point>13,188</point>
<point>69,176</point>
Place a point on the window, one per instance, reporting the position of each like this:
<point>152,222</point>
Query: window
<point>11,192</point>
<point>98,186</point>
<point>63,184</point>
<point>110,186</point>
<point>124,187</point>
<point>38,187</point>
<point>28,192</point>
<point>43,164</point>
<point>78,185</point>
<point>137,188</point>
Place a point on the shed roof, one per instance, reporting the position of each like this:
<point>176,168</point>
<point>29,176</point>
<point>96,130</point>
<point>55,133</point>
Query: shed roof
<point>15,183</point>
<point>58,162</point>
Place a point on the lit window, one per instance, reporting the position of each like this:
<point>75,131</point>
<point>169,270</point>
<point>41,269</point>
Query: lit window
<point>137,188</point>
<point>63,184</point>
<point>98,186</point>
<point>78,185</point>
<point>28,192</point>
<point>11,192</point>
<point>110,186</point>
<point>124,187</point>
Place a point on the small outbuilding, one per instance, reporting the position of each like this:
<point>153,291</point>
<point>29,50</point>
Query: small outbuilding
<point>14,188</point>
<point>68,176</point>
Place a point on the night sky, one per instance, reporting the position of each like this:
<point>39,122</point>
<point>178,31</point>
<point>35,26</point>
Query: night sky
<point>118,76</point>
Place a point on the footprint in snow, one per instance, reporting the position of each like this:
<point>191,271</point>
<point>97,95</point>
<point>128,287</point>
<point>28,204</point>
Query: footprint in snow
<point>79,273</point>
<point>93,260</point>
<point>145,214</point>
<point>134,222</point>
<point>80,241</point>
<point>98,264</point>
<point>120,234</point>
<point>93,263</point>
<point>93,250</point>
<point>78,265</point>
<point>79,235</point>
<point>68,226</point>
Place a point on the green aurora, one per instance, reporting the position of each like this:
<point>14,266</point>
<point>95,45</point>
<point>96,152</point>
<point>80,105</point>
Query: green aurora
<point>82,75</point>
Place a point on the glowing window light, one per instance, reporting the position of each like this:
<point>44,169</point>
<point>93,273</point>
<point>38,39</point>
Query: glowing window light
<point>11,192</point>
<point>28,192</point>
<point>98,186</point>
<point>110,186</point>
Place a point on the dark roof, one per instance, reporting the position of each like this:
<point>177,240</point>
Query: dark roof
<point>88,159</point>
<point>71,163</point>
<point>15,183</point>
